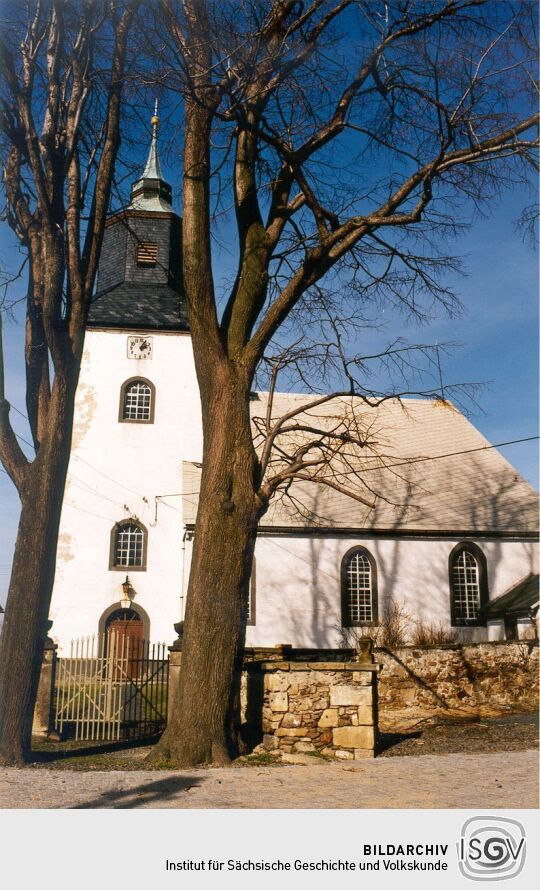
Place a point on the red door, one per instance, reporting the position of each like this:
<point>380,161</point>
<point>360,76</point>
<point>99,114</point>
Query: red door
<point>127,627</point>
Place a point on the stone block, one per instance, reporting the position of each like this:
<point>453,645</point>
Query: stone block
<point>350,695</point>
<point>362,753</point>
<point>363,678</point>
<point>278,701</point>
<point>303,747</point>
<point>277,682</point>
<point>302,759</point>
<point>344,755</point>
<point>291,720</point>
<point>270,742</point>
<point>365,716</point>
<point>353,737</point>
<point>290,733</point>
<point>305,705</point>
<point>329,717</point>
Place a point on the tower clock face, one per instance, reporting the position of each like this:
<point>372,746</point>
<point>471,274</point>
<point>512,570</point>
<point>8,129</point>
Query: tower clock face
<point>139,347</point>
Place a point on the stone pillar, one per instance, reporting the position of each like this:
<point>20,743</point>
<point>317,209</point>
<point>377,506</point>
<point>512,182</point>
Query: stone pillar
<point>359,701</point>
<point>43,712</point>
<point>326,708</point>
<point>175,662</point>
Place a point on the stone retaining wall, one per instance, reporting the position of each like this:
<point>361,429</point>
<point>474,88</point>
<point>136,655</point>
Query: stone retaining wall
<point>497,676</point>
<point>327,708</point>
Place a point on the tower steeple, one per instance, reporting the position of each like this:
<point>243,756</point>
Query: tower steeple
<point>139,282</point>
<point>151,192</point>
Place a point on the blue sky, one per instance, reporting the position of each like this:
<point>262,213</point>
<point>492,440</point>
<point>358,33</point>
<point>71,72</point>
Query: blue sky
<point>497,333</point>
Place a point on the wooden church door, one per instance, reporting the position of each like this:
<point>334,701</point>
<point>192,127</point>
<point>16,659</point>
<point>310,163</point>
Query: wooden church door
<point>127,627</point>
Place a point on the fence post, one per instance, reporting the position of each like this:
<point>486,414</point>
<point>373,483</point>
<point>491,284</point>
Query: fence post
<point>43,712</point>
<point>175,662</point>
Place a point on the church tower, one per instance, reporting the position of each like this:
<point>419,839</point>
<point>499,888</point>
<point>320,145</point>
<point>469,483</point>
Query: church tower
<point>137,417</point>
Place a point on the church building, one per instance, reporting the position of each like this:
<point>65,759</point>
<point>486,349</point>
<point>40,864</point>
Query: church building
<point>454,531</point>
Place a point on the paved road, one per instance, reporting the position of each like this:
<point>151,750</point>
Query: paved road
<point>491,780</point>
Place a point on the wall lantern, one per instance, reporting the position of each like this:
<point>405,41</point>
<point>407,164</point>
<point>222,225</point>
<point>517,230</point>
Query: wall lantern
<point>127,594</point>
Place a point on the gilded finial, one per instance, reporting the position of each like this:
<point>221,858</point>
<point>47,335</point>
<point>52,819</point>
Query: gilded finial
<point>154,120</point>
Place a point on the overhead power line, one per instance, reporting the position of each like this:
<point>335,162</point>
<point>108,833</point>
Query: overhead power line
<point>403,463</point>
<point>418,460</point>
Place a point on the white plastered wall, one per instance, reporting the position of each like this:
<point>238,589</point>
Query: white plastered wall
<point>118,470</point>
<point>298,584</point>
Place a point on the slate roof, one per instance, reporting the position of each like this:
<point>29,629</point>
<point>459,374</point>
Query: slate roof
<point>520,600</point>
<point>133,305</point>
<point>410,470</point>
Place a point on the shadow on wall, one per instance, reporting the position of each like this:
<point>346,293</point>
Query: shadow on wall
<point>477,499</point>
<point>252,733</point>
<point>460,674</point>
<point>480,677</point>
<point>308,615</point>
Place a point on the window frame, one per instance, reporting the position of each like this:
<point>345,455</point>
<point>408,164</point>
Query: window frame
<point>483,589</point>
<point>125,385</point>
<point>117,527</point>
<point>346,620</point>
<point>252,596</point>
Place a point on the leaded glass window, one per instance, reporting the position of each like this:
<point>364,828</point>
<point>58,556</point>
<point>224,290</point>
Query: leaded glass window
<point>359,588</point>
<point>468,584</point>
<point>137,402</point>
<point>129,545</point>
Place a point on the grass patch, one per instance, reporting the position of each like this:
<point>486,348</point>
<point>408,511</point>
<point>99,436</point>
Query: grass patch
<point>262,758</point>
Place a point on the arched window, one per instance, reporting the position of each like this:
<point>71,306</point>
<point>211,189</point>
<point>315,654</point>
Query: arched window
<point>128,546</point>
<point>359,604</point>
<point>137,400</point>
<point>468,584</point>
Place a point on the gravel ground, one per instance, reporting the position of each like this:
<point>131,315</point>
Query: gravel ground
<point>416,737</point>
<point>493,780</point>
<point>442,763</point>
<point>515,732</point>
<point>450,763</point>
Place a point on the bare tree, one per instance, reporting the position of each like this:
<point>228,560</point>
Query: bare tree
<point>64,72</point>
<point>349,138</point>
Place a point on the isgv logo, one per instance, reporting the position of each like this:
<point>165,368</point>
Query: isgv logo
<point>491,848</point>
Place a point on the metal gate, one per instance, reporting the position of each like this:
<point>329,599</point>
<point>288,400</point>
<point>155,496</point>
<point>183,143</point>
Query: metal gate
<point>112,687</point>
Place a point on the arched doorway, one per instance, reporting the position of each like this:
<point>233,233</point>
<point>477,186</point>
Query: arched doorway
<point>124,634</point>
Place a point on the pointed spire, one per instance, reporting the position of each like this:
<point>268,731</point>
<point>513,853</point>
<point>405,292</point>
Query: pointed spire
<point>151,192</point>
<point>152,169</point>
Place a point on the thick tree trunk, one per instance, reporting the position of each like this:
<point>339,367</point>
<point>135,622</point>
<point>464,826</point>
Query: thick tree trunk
<point>200,729</point>
<point>31,583</point>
